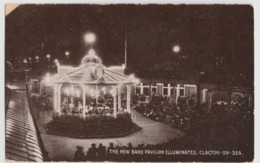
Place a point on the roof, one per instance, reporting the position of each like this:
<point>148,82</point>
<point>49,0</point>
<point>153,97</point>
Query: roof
<point>22,143</point>
<point>92,71</point>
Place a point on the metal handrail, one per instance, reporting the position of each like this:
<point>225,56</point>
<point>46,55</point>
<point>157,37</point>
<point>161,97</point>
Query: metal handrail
<point>44,151</point>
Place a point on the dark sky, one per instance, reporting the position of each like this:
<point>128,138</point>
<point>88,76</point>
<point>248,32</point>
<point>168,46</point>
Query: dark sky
<point>203,32</point>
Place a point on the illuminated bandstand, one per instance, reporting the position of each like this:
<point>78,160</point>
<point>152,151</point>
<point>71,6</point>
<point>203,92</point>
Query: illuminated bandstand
<point>92,88</point>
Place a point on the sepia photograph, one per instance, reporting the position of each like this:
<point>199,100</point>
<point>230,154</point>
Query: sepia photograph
<point>129,82</point>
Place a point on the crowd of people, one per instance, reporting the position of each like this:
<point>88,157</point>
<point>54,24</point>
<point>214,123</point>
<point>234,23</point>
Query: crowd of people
<point>165,109</point>
<point>205,132</point>
<point>136,153</point>
<point>93,153</point>
<point>180,114</point>
<point>238,109</point>
<point>103,153</point>
<point>42,102</point>
<point>74,106</point>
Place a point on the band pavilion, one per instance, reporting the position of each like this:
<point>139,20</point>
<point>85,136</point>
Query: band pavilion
<point>85,86</point>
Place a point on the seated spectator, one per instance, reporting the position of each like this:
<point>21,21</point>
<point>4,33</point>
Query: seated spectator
<point>79,154</point>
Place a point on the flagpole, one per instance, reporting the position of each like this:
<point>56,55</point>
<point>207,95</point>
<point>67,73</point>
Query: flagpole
<point>125,39</point>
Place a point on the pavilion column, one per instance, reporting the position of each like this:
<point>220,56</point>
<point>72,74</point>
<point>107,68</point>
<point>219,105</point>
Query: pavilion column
<point>141,88</point>
<point>55,97</point>
<point>198,95</point>
<point>169,90</point>
<point>59,98</point>
<point>84,100</point>
<point>150,88</point>
<point>119,98</point>
<point>177,92</point>
<point>114,98</point>
<point>128,98</point>
<point>40,91</point>
<point>204,91</point>
<point>96,93</point>
<point>229,93</point>
<point>210,100</point>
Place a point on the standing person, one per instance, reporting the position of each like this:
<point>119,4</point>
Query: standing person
<point>111,146</point>
<point>101,152</point>
<point>92,153</point>
<point>110,156</point>
<point>79,154</point>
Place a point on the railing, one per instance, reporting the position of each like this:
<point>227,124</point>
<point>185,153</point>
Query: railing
<point>22,86</point>
<point>16,85</point>
<point>44,151</point>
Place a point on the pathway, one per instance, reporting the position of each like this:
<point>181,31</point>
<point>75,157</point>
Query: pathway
<point>62,148</point>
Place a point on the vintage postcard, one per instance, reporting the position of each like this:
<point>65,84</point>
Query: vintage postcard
<point>129,82</point>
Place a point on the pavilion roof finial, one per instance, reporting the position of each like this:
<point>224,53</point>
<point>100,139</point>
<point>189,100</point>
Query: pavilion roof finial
<point>91,57</point>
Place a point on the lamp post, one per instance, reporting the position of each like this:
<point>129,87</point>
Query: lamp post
<point>25,69</point>
<point>90,38</point>
<point>37,58</point>
<point>25,62</point>
<point>67,54</point>
<point>56,61</point>
<point>48,56</point>
<point>30,60</point>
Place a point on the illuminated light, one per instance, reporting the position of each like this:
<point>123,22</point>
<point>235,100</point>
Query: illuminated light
<point>137,81</point>
<point>91,52</point>
<point>12,86</point>
<point>47,79</point>
<point>131,76</point>
<point>67,53</point>
<point>48,56</point>
<point>67,91</point>
<point>91,92</point>
<point>111,92</point>
<point>77,92</point>
<point>96,92</point>
<point>56,61</point>
<point>104,89</point>
<point>37,57</point>
<point>30,58</point>
<point>11,104</point>
<point>72,89</point>
<point>176,48</point>
<point>25,61</point>
<point>90,38</point>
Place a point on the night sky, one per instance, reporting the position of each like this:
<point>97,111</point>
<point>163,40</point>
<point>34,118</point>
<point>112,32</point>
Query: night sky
<point>216,39</point>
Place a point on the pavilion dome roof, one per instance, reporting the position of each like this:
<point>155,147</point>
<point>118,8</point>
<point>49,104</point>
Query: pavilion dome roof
<point>91,57</point>
<point>92,71</point>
